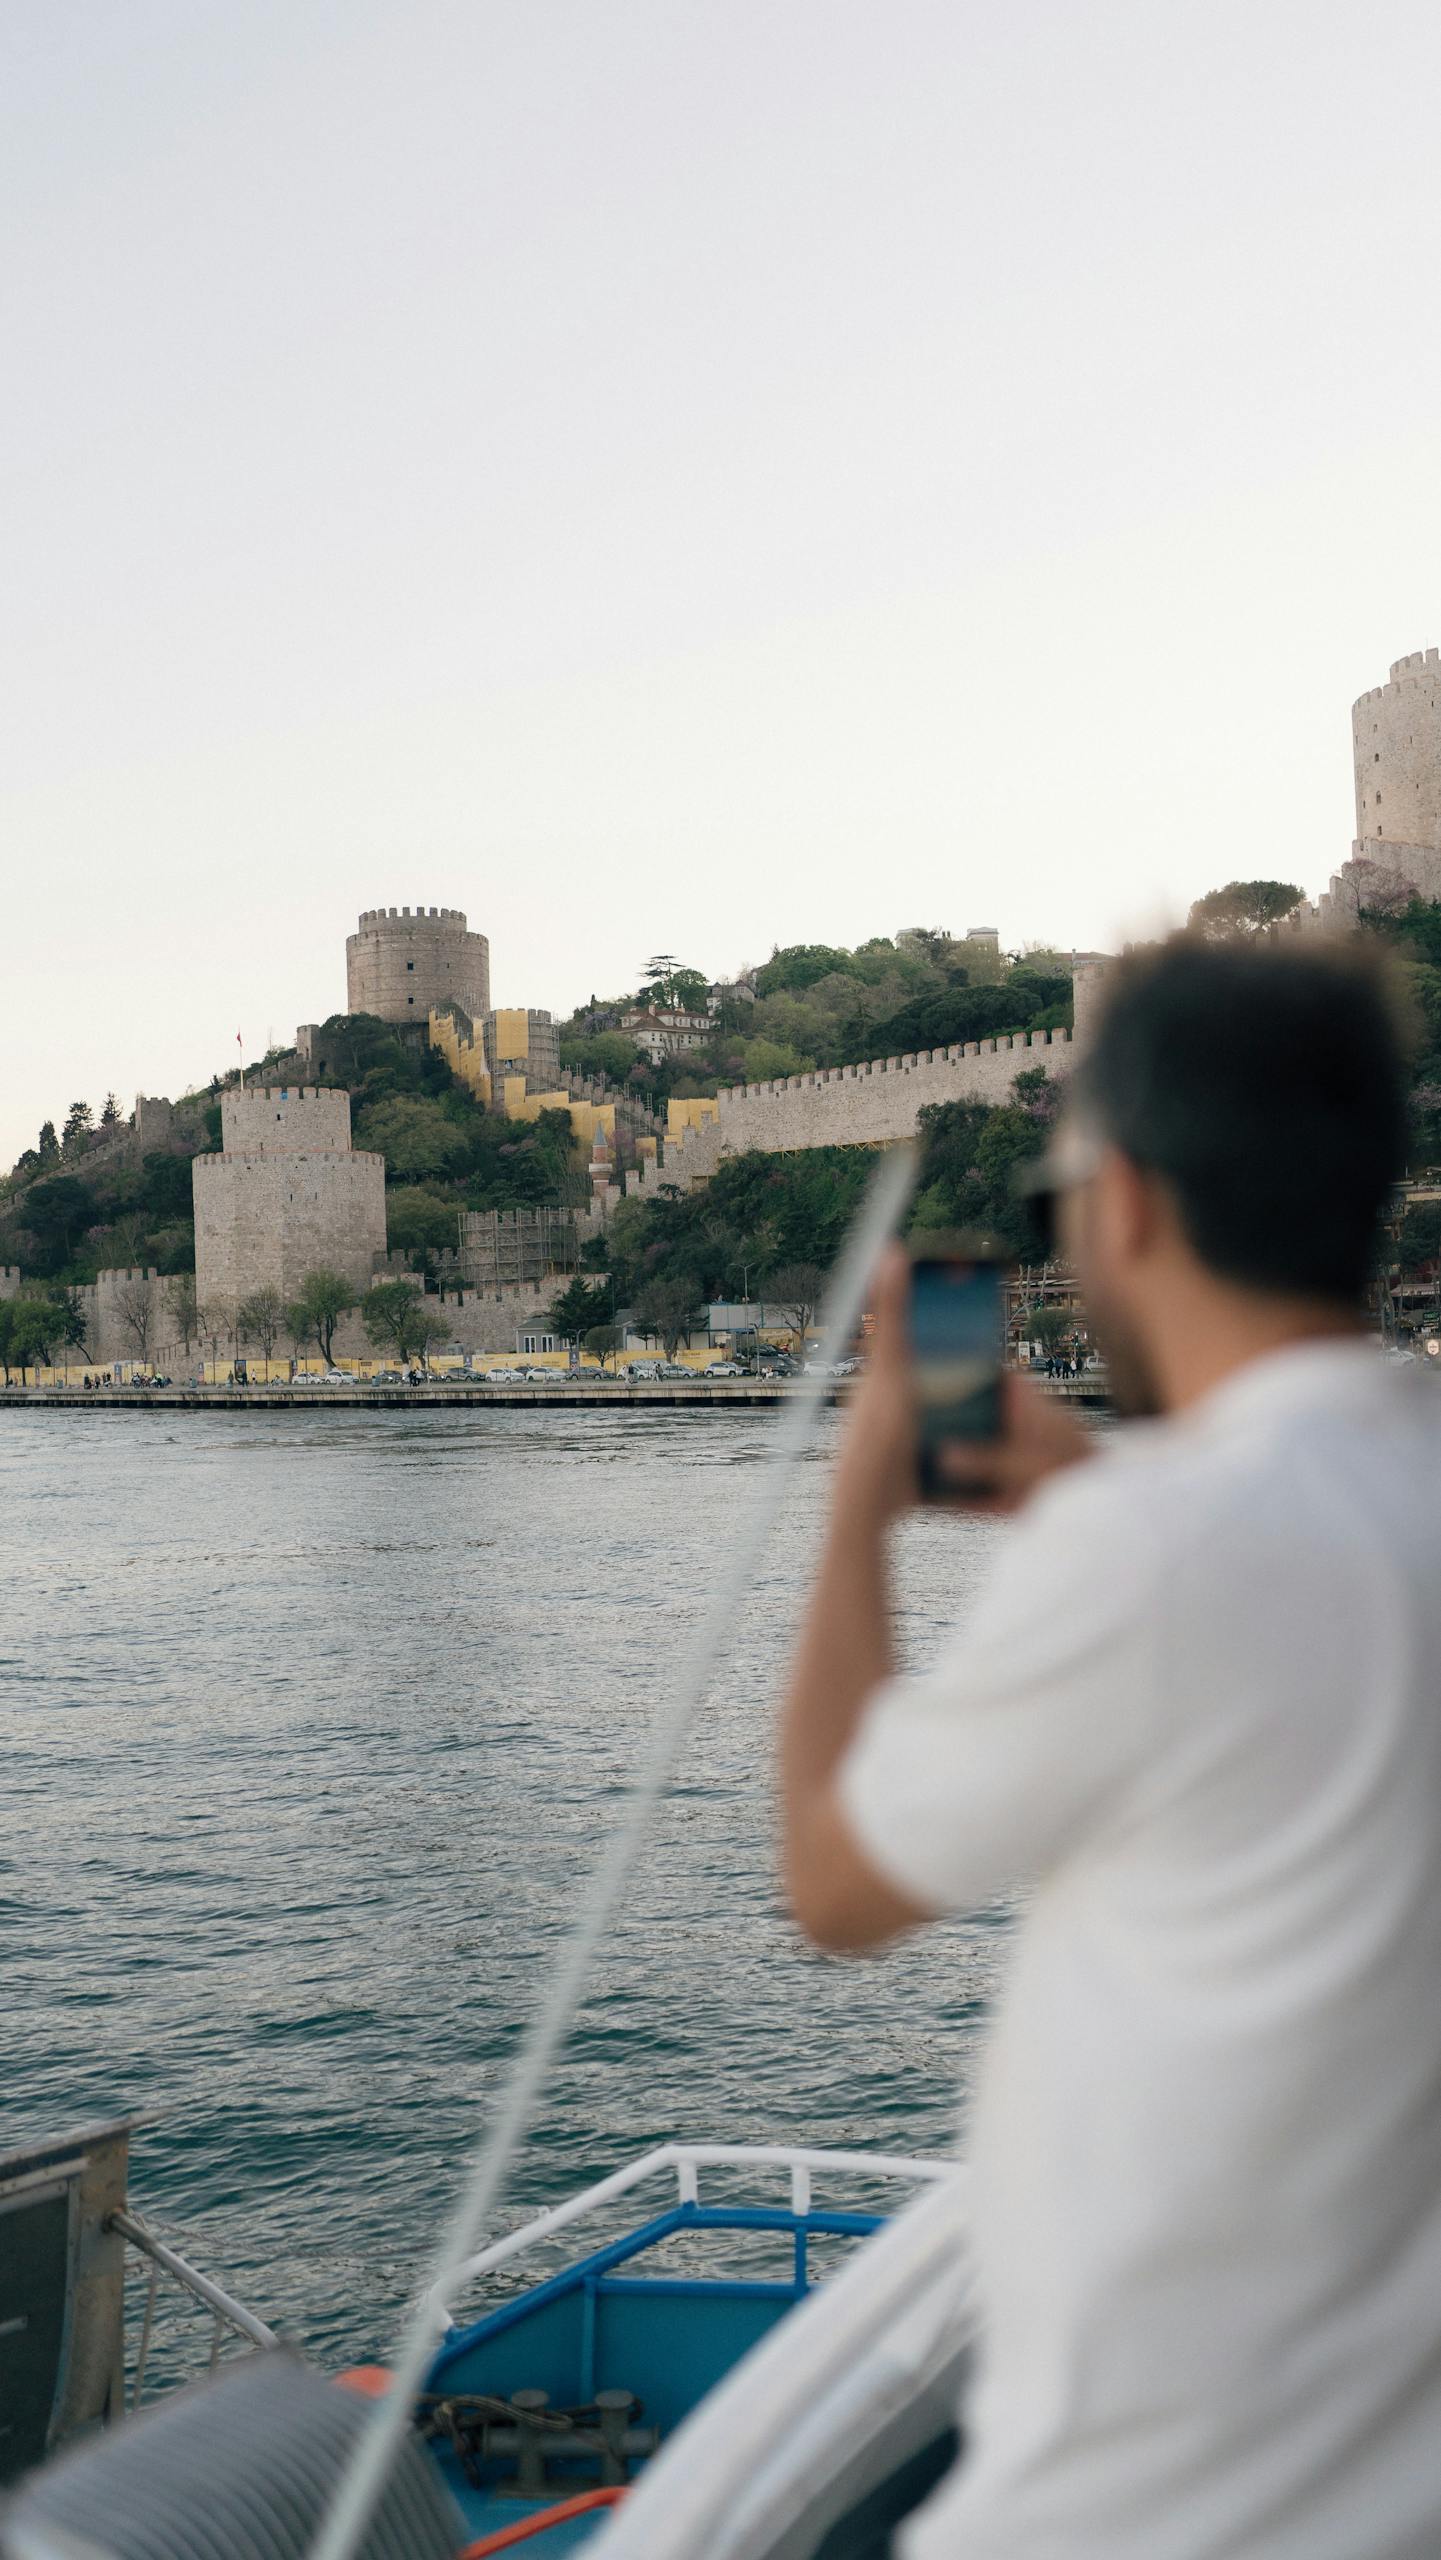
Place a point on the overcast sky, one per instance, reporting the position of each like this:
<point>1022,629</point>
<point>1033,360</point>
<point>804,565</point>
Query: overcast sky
<point>683,475</point>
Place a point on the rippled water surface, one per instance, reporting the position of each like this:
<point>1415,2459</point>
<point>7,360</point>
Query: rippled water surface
<point>313,1724</point>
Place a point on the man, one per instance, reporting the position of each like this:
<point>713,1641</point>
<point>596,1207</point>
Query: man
<point>1198,1715</point>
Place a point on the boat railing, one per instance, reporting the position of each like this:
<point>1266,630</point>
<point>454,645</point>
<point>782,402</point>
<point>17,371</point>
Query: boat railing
<point>229,2317</point>
<point>684,2161</point>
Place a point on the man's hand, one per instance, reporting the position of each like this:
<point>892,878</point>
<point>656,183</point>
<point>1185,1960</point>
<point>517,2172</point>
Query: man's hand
<point>1040,1438</point>
<point>876,1475</point>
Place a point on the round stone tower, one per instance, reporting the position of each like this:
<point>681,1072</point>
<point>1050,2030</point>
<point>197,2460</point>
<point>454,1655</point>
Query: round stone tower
<point>402,960</point>
<point>1396,739</point>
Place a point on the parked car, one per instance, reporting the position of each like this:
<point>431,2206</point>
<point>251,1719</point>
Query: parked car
<point>722,1369</point>
<point>673,1369</point>
<point>502,1377</point>
<point>388,1378</point>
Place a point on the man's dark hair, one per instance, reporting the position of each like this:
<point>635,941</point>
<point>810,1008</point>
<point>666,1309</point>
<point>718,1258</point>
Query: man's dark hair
<point>1267,1085</point>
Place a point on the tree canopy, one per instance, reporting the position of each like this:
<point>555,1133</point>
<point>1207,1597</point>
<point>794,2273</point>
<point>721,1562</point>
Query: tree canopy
<point>1244,907</point>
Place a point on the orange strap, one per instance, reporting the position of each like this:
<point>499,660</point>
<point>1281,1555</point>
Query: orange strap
<point>528,2525</point>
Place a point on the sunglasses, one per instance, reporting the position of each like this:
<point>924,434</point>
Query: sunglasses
<point>1071,1159</point>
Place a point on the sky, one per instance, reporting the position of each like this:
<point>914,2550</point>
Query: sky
<point>683,475</point>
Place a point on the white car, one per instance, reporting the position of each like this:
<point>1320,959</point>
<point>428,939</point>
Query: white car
<point>503,1377</point>
<point>721,1369</point>
<point>336,1378</point>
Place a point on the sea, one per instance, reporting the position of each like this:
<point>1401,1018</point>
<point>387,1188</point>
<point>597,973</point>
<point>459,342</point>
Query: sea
<point>314,1725</point>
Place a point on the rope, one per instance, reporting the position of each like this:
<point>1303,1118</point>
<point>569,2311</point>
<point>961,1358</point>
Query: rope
<point>361,2482</point>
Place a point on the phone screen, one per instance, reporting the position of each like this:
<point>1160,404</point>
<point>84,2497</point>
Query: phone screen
<point>957,1335</point>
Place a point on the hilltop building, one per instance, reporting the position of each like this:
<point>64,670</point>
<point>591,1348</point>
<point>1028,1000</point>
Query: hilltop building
<point>663,1031</point>
<point>401,962</point>
<point>286,1195</point>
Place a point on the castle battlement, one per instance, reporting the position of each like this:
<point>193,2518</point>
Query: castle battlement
<point>405,963</point>
<point>285,1119</point>
<point>376,916</point>
<point>252,1157</point>
<point>901,1066</point>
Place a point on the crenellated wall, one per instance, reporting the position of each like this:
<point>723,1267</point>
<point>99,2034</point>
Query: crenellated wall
<point>860,1106</point>
<point>400,963</point>
<point>277,1119</point>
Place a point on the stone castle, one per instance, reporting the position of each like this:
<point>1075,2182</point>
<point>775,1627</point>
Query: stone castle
<point>288,1193</point>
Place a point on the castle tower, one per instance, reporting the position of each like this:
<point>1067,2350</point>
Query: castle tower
<point>1396,747</point>
<point>400,961</point>
<point>522,1041</point>
<point>286,1195</point>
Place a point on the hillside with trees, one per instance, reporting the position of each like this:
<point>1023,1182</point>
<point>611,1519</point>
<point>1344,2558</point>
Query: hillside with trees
<point>77,1203</point>
<point>820,1006</point>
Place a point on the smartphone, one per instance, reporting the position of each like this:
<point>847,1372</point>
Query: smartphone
<point>958,1331</point>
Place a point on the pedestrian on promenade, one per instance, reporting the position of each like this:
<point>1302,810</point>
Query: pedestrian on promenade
<point>1205,2140</point>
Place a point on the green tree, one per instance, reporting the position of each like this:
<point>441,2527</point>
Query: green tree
<point>1419,1244</point>
<point>1244,907</point>
<point>1048,1327</point>
<point>47,1146</point>
<point>767,1059</point>
<point>801,964</point>
<point>324,1297</point>
<point>57,1212</point>
<point>795,1293</point>
<point>79,1121</point>
<point>396,1317</point>
<point>665,1311</point>
<point>110,1112</point>
<point>577,1308</point>
<point>260,1319</point>
<point>40,1325</point>
<point>420,1223</point>
<point>611,1054</point>
<point>415,1135</point>
<point>603,1341</point>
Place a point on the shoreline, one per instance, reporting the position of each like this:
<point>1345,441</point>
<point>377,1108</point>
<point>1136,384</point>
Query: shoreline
<point>717,1394</point>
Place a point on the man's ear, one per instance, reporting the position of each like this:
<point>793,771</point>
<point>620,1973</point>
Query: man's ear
<point>1130,1209</point>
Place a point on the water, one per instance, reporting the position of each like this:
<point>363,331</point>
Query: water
<point>313,1724</point>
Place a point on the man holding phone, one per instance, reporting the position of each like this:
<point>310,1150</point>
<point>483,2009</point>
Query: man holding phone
<point>1197,1716</point>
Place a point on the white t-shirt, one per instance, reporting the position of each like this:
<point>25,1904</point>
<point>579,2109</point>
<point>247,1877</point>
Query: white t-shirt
<point>1198,1711</point>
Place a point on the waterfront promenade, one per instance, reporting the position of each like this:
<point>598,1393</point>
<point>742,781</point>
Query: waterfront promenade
<point>726,1394</point>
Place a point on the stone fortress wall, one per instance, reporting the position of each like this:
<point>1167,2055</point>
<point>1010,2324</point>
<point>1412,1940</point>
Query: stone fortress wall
<point>286,1195</point>
<point>863,1106</point>
<point>400,962</point>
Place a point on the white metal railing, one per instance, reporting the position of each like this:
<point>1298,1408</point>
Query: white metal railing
<point>229,2315</point>
<point>686,2160</point>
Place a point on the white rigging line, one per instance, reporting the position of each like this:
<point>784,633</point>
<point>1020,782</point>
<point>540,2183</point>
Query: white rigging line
<point>361,2483</point>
